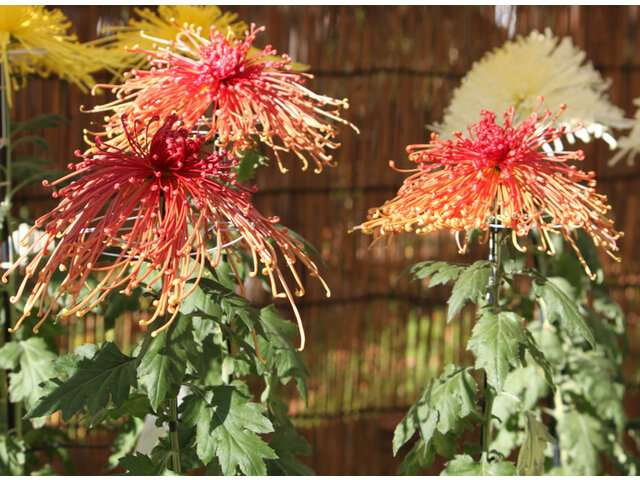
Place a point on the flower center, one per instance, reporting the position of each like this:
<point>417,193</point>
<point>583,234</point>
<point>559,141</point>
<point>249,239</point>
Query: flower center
<point>221,62</point>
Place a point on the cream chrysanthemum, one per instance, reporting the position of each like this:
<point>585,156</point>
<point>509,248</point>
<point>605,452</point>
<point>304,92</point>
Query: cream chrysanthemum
<point>167,22</point>
<point>34,40</point>
<point>629,146</point>
<point>521,71</point>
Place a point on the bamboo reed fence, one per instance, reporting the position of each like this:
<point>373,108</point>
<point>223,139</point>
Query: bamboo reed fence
<point>376,341</point>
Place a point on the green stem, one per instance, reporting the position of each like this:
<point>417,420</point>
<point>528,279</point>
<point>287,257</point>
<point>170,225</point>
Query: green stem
<point>18,416</point>
<point>173,435</point>
<point>486,420</point>
<point>493,299</point>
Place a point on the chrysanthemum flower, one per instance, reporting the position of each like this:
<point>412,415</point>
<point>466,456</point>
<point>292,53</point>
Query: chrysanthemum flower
<point>629,145</point>
<point>499,175</point>
<point>521,71</point>
<point>156,205</point>
<point>244,94</point>
<point>165,23</point>
<point>34,40</point>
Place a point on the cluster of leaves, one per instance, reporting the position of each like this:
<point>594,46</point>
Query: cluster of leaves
<point>538,353</point>
<point>223,427</point>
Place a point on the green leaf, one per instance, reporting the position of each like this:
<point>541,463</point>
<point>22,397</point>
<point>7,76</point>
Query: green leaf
<point>557,305</point>
<point>423,454</point>
<point>420,456</point>
<point>580,436</point>
<point>439,406</point>
<point>32,364</point>
<point>496,341</point>
<point>602,385</point>
<point>286,443</point>
<point>232,304</point>
<point>473,281</point>
<point>141,465</point>
<point>465,465</point>
<point>12,455</point>
<point>227,424</point>
<point>540,359</point>
<point>276,348</point>
<point>163,366</point>
<point>47,120</point>
<point>125,442</point>
<point>531,455</point>
<point>442,272</point>
<point>35,139</point>
<point>109,374</point>
<point>249,160</point>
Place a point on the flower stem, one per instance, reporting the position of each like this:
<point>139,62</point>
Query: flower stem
<point>493,299</point>
<point>173,435</point>
<point>486,417</point>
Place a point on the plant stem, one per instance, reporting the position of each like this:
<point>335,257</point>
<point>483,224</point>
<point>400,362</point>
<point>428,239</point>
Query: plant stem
<point>486,420</point>
<point>493,297</point>
<point>173,435</point>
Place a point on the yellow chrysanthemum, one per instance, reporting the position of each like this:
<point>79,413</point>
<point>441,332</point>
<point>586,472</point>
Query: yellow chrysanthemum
<point>166,23</point>
<point>520,72</point>
<point>34,40</point>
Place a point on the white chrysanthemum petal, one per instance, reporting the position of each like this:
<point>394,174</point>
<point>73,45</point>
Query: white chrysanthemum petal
<point>520,72</point>
<point>629,145</point>
<point>583,135</point>
<point>557,145</point>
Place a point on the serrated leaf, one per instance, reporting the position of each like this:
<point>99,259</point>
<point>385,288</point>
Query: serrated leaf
<point>580,436</point>
<point>226,427</point>
<point>442,272</point>
<point>472,282</point>
<point>602,385</point>
<point>441,404</point>
<point>286,443</point>
<point>47,120</point>
<point>141,465</point>
<point>421,455</point>
<point>163,366</point>
<point>35,139</point>
<point>248,162</point>
<point>540,359</point>
<point>34,365</point>
<point>531,454</point>
<point>557,305</point>
<point>496,341</point>
<point>277,349</point>
<point>465,465</point>
<point>109,374</point>
<point>232,304</point>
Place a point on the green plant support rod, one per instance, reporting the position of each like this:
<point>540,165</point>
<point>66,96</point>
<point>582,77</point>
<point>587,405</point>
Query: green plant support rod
<point>173,435</point>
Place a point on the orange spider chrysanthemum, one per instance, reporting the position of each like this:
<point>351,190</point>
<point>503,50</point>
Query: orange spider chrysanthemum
<point>144,217</point>
<point>217,84</point>
<point>502,175</point>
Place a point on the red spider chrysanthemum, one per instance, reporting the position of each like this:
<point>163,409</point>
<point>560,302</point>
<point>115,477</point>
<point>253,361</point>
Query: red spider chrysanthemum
<point>502,175</point>
<point>156,205</point>
<point>218,84</point>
